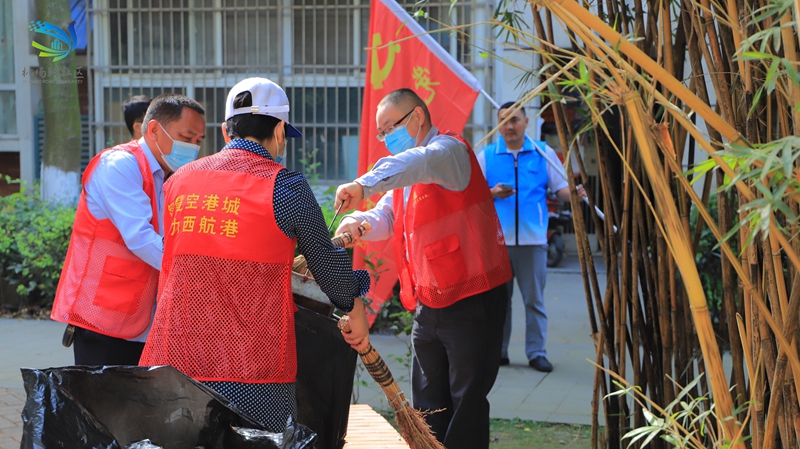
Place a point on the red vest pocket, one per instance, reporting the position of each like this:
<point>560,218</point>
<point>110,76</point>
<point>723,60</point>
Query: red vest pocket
<point>122,279</point>
<point>446,260</point>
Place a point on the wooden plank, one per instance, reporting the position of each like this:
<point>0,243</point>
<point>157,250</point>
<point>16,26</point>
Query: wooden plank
<point>366,429</point>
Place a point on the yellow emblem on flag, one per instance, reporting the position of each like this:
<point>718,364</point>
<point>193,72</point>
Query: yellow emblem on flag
<point>379,74</point>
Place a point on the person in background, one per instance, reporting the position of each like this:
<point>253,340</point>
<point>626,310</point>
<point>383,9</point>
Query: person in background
<point>107,290</point>
<point>451,261</point>
<point>225,314</point>
<point>133,109</point>
<point>519,178</point>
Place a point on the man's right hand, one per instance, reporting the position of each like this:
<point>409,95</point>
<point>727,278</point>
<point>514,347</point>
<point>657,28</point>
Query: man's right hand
<point>349,224</point>
<point>501,192</point>
<point>350,194</point>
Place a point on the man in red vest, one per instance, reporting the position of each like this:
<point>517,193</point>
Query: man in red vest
<point>226,312</point>
<point>107,288</point>
<point>451,259</point>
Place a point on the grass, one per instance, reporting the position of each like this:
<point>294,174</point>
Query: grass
<point>522,434</point>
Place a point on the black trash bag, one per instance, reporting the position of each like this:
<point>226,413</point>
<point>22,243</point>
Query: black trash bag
<point>326,366</point>
<point>115,406</point>
<point>243,438</point>
<point>296,435</point>
<point>146,444</point>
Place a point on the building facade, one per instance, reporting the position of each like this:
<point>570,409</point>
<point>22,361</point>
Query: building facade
<point>315,49</point>
<point>200,48</point>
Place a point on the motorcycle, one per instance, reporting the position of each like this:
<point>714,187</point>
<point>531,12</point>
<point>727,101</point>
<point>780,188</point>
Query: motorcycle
<point>559,216</point>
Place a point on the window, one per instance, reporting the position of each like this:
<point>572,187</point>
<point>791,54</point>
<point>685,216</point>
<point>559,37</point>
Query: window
<point>250,36</point>
<point>319,43</point>
<point>315,49</point>
<point>116,131</point>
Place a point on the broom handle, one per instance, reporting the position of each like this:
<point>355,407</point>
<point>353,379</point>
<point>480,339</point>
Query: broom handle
<point>339,241</point>
<point>344,239</point>
<point>375,365</point>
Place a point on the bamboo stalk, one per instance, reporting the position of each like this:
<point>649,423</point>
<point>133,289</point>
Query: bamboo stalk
<point>764,360</point>
<point>722,86</point>
<point>780,369</point>
<point>650,66</point>
<point>790,50</point>
<point>733,18</point>
<point>726,250</point>
<point>682,253</point>
<point>562,133</point>
<point>637,324</point>
<point>729,304</point>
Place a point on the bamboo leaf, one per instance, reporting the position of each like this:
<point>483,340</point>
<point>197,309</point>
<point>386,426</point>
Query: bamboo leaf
<point>790,71</point>
<point>756,99</point>
<point>651,419</point>
<point>754,56</point>
<point>776,38</point>
<point>649,438</point>
<point>684,391</point>
<point>700,170</point>
<point>786,211</point>
<point>733,231</point>
<point>755,204</point>
<point>770,77</point>
<point>641,432</point>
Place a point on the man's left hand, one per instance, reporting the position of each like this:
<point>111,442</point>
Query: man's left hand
<point>358,337</point>
<point>581,192</point>
<point>564,194</point>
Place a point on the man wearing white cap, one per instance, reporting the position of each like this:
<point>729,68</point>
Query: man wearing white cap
<point>225,314</point>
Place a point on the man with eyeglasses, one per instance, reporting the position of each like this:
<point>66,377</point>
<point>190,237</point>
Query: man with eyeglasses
<point>451,261</point>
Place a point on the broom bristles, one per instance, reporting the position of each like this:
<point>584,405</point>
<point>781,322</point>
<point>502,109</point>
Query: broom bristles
<point>414,429</point>
<point>416,432</point>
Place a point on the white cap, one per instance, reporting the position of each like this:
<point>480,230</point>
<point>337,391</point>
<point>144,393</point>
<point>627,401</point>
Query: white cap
<point>268,99</point>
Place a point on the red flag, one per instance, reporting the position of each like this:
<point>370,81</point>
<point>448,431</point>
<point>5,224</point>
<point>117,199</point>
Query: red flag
<point>401,55</point>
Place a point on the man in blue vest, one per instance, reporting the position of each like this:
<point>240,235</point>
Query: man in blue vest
<point>519,177</point>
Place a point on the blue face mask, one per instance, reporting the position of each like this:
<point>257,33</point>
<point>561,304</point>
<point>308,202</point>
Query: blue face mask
<point>279,155</point>
<point>399,140</point>
<point>182,153</point>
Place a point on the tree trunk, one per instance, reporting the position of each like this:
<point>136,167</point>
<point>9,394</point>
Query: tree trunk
<point>61,158</point>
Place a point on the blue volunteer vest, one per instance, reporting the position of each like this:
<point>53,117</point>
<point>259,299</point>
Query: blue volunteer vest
<point>524,214</point>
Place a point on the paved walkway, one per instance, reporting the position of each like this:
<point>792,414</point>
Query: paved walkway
<point>563,396</point>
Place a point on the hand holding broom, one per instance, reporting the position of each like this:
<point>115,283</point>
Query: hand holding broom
<point>339,241</point>
<point>416,432</point>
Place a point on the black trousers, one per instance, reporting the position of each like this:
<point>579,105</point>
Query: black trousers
<point>91,348</point>
<point>456,357</point>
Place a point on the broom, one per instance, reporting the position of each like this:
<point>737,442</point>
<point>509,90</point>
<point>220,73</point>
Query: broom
<point>411,421</point>
<point>339,241</point>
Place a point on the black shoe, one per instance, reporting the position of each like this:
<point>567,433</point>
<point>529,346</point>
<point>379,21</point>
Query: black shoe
<point>541,364</point>
<point>504,361</point>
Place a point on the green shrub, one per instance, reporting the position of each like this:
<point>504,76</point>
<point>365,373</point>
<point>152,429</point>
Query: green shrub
<point>34,236</point>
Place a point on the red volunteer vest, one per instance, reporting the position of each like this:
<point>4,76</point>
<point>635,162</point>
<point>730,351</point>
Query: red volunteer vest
<point>449,245</point>
<point>104,287</point>
<point>225,309</point>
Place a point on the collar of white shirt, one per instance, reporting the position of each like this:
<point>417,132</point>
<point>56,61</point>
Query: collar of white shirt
<point>431,134</point>
<point>151,159</point>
